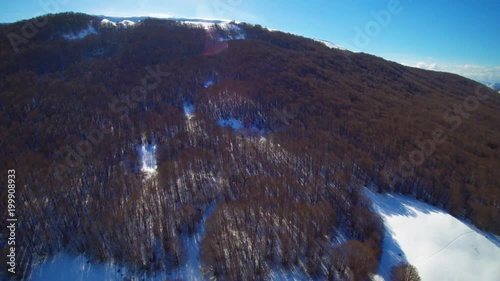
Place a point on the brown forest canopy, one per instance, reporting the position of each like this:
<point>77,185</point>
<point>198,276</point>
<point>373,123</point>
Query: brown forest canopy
<point>333,121</point>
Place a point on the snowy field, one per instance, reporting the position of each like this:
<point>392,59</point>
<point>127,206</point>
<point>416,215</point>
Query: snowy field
<point>76,268</point>
<point>440,246</point>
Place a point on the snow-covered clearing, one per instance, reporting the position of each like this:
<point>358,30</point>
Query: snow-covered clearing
<point>107,22</point>
<point>330,44</point>
<point>127,23</point>
<point>81,34</point>
<point>188,109</point>
<point>237,125</point>
<point>123,23</point>
<point>147,152</point>
<point>209,83</point>
<point>231,122</point>
<point>440,246</point>
<point>65,267</point>
<point>231,27</point>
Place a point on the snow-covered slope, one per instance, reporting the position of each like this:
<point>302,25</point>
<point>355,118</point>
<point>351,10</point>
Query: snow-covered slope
<point>76,268</point>
<point>440,246</point>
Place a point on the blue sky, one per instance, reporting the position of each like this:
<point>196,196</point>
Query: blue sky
<point>460,36</point>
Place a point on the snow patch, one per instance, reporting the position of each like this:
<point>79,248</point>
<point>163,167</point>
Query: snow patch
<point>147,153</point>
<point>235,124</point>
<point>208,83</point>
<point>440,246</point>
<point>231,29</point>
<point>235,32</point>
<point>107,22</point>
<point>330,44</point>
<point>188,109</point>
<point>205,25</point>
<point>122,23</point>
<point>65,267</point>
<point>127,22</point>
<point>81,34</point>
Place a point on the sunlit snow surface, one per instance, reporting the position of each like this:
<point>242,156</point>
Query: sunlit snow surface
<point>237,125</point>
<point>330,44</point>
<point>147,153</point>
<point>235,32</point>
<point>188,109</point>
<point>107,22</point>
<point>440,246</point>
<point>75,268</point>
<point>208,83</point>
<point>127,22</point>
<point>123,23</point>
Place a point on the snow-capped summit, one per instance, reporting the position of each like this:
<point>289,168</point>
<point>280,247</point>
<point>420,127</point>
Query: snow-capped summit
<point>114,23</point>
<point>127,22</point>
<point>107,22</point>
<point>231,28</point>
<point>330,44</point>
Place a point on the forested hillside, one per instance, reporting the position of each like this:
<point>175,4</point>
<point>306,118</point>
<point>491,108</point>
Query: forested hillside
<point>315,125</point>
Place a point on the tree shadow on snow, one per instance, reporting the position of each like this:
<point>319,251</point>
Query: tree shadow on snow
<point>398,205</point>
<point>391,256</point>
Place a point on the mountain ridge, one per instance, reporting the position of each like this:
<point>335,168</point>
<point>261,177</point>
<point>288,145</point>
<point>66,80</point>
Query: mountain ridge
<point>314,125</point>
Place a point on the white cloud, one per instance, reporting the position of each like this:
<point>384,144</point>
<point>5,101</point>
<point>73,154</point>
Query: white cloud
<point>480,73</point>
<point>160,15</point>
<point>429,66</point>
<point>475,72</point>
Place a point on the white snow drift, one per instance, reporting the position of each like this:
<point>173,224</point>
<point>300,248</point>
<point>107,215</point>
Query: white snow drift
<point>147,152</point>
<point>440,246</point>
